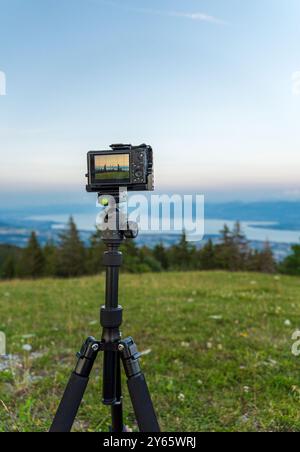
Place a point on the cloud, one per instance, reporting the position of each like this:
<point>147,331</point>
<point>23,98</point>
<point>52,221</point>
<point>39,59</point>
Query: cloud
<point>196,16</point>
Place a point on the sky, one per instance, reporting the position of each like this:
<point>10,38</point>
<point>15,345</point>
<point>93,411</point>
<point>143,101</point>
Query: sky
<point>210,84</point>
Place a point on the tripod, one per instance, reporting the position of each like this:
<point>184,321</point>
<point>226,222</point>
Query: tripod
<point>114,349</point>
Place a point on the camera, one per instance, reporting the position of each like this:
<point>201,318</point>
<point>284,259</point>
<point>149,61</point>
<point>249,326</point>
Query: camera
<point>122,166</point>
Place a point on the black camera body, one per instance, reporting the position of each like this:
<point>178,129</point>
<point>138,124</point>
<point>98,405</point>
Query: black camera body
<point>124,165</point>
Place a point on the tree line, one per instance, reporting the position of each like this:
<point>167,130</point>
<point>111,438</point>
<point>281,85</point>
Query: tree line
<point>70,257</point>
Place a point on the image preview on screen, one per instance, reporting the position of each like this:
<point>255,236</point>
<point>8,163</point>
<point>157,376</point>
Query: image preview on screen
<point>112,167</point>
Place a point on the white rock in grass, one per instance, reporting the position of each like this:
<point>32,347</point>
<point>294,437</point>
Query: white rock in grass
<point>216,317</point>
<point>27,348</point>
<point>288,323</point>
<point>181,397</point>
<point>185,344</point>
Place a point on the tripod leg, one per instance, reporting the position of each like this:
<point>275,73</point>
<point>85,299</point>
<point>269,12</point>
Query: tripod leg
<point>76,387</point>
<point>138,389</point>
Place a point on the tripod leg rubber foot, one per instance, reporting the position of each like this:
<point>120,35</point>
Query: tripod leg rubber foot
<point>70,403</point>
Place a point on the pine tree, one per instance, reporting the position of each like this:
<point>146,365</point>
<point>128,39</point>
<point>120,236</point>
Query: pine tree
<point>253,261</point>
<point>240,248</point>
<point>183,254</point>
<point>95,253</point>
<point>71,252</point>
<point>226,238</point>
<point>232,252</point>
<point>131,257</point>
<point>207,256</point>
<point>291,264</point>
<point>50,254</point>
<point>266,259</point>
<point>32,261</point>
<point>8,270</point>
<point>148,260</point>
<point>226,250</point>
<point>161,255</point>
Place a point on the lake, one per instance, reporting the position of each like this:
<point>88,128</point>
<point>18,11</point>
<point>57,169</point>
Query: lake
<point>254,230</point>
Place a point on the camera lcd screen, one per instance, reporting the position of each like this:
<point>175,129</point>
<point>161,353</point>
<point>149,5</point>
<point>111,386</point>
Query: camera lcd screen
<point>112,168</point>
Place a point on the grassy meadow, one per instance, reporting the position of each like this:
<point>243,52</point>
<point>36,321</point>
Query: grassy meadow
<point>217,349</point>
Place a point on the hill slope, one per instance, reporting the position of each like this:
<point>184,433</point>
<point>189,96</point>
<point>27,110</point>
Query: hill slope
<point>220,346</point>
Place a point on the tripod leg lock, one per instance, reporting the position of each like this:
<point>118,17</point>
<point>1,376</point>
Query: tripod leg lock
<point>86,357</point>
<point>130,357</point>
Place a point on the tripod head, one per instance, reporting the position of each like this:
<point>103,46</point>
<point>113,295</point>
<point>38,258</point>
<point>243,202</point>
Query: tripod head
<point>112,222</point>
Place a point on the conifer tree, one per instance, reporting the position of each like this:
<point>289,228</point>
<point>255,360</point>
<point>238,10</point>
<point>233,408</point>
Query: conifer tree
<point>148,261</point>
<point>131,257</point>
<point>207,257</point>
<point>266,259</point>
<point>32,261</point>
<point>240,249</point>
<point>226,250</point>
<point>183,254</point>
<point>8,270</point>
<point>161,255</point>
<point>291,264</point>
<point>51,259</point>
<point>71,252</point>
<point>95,253</point>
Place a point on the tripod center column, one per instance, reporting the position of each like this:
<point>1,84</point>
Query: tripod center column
<point>112,261</point>
<point>111,320</point>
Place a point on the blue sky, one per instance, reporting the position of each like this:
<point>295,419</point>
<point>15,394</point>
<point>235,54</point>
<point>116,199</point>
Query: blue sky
<point>207,83</point>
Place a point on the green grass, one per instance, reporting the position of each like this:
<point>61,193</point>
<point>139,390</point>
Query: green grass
<point>112,175</point>
<point>220,346</point>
